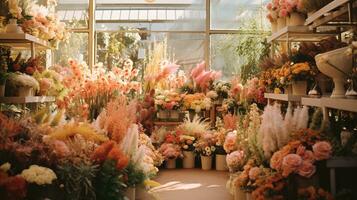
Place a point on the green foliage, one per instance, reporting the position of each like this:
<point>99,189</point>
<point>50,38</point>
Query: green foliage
<point>109,183</point>
<point>316,121</point>
<point>78,180</point>
<point>134,176</point>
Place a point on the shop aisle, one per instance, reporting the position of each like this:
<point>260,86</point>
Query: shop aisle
<point>191,184</point>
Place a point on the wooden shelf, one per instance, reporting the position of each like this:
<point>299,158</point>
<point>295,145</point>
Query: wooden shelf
<point>157,123</point>
<point>298,34</point>
<point>341,162</point>
<point>334,103</point>
<point>22,41</point>
<point>25,100</point>
<point>283,97</point>
<point>335,12</point>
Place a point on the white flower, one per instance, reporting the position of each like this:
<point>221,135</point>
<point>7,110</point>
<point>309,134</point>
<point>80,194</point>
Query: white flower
<point>185,146</point>
<point>39,175</point>
<point>213,148</point>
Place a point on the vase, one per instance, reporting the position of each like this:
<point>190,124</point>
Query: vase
<point>288,89</point>
<point>281,23</point>
<point>25,92</point>
<point>12,27</point>
<point>206,162</point>
<point>174,114</point>
<point>188,160</point>
<point>296,19</point>
<point>221,163</point>
<point>299,87</point>
<point>171,164</point>
<point>239,194</point>
<point>2,90</point>
<point>248,196</point>
<point>130,193</point>
<point>274,27</point>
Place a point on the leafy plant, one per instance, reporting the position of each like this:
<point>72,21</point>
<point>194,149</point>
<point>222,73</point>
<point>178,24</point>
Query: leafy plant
<point>78,180</point>
<point>134,176</point>
<point>109,184</point>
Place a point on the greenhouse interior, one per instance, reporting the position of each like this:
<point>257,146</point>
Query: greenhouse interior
<point>178,99</point>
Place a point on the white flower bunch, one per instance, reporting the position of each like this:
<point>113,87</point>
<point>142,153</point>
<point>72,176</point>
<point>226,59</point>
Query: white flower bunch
<point>5,167</point>
<point>39,175</point>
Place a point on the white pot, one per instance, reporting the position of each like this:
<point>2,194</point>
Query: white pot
<point>206,162</point>
<point>221,163</point>
<point>130,193</point>
<point>281,22</point>
<point>25,92</point>
<point>171,164</point>
<point>296,19</point>
<point>299,87</point>
<point>274,26</point>
<point>188,160</point>
<point>2,90</point>
<point>12,27</point>
<point>239,194</point>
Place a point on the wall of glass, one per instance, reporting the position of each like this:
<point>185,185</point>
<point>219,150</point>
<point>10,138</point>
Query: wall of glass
<point>132,28</point>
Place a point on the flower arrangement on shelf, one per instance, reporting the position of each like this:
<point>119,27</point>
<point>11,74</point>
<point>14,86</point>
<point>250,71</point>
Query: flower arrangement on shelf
<point>301,71</point>
<point>167,100</point>
<point>196,102</point>
<point>222,89</point>
<point>19,80</point>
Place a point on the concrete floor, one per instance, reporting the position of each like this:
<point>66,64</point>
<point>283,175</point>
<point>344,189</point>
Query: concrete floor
<point>191,184</point>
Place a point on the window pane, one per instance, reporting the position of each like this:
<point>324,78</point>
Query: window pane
<point>75,48</point>
<point>228,14</point>
<point>73,13</point>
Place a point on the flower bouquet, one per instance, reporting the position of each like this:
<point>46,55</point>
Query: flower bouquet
<point>168,104</point>
<point>186,142</point>
<point>170,152</point>
<point>196,102</point>
<point>222,89</point>
<point>301,73</point>
<point>221,164</point>
<point>23,85</point>
<point>205,146</point>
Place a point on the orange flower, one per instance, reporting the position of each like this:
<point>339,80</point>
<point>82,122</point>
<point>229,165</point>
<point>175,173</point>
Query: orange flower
<point>101,152</point>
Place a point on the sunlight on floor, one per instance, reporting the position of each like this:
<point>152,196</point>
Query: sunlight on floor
<point>175,185</point>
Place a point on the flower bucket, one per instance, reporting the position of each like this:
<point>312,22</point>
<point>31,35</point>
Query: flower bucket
<point>171,164</point>
<point>248,196</point>
<point>274,27</point>
<point>12,27</point>
<point>299,87</point>
<point>188,160</point>
<point>174,114</point>
<point>296,19</point>
<point>163,114</point>
<point>281,23</point>
<point>221,164</point>
<point>25,92</point>
<point>130,193</point>
<point>206,162</point>
<point>2,90</point>
<point>239,194</point>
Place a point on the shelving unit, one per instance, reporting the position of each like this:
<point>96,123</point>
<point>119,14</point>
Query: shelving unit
<point>158,123</point>
<point>336,13</point>
<point>298,34</point>
<point>339,104</point>
<point>283,97</point>
<point>26,100</point>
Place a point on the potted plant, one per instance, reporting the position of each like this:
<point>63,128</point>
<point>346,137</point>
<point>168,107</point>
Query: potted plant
<point>186,142</point>
<point>134,177</point>
<point>170,152</point>
<point>221,164</point>
<point>15,14</point>
<point>300,74</point>
<point>24,85</point>
<point>205,146</point>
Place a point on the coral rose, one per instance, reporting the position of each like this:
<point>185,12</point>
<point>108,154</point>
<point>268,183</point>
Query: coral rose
<point>291,163</point>
<point>254,173</point>
<point>306,169</point>
<point>276,160</point>
<point>322,150</point>
<point>308,156</point>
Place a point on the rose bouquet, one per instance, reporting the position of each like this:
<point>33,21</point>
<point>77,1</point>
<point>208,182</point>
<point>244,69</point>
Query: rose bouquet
<point>186,142</point>
<point>230,142</point>
<point>170,151</point>
<point>236,160</point>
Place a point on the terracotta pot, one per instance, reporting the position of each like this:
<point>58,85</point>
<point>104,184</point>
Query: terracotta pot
<point>188,160</point>
<point>171,164</point>
<point>239,194</point>
<point>299,87</point>
<point>281,23</point>
<point>296,19</point>
<point>25,92</point>
<point>221,164</point>
<point>274,27</point>
<point>206,162</point>
<point>2,90</point>
<point>12,27</point>
<point>130,193</point>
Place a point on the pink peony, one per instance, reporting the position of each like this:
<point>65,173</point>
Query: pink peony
<point>322,150</point>
<point>291,163</point>
<point>254,173</point>
<point>308,156</point>
<point>307,169</point>
<point>283,13</point>
<point>235,160</point>
<point>300,150</point>
<point>276,160</point>
<point>230,142</point>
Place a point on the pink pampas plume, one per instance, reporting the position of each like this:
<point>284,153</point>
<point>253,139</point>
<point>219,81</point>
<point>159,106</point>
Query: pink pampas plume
<point>170,68</point>
<point>198,70</point>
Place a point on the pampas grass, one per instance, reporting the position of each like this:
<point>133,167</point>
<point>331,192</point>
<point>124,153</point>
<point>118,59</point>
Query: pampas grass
<point>194,127</point>
<point>23,80</point>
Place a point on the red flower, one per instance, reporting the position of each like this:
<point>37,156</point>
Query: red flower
<point>16,187</point>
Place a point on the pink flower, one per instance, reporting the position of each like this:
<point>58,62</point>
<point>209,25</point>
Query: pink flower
<point>322,150</point>
<point>307,169</point>
<point>300,150</point>
<point>235,160</point>
<point>283,13</point>
<point>291,163</point>
<point>254,173</point>
<point>308,156</point>
<point>270,6</point>
<point>60,148</point>
<point>230,142</point>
